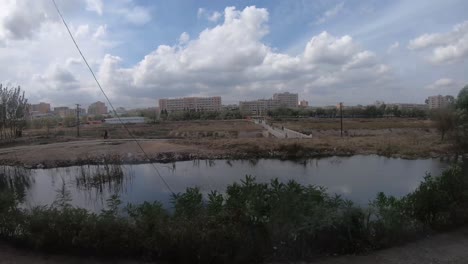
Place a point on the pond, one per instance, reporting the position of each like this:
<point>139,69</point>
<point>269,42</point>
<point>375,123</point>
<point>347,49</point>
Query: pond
<point>358,178</point>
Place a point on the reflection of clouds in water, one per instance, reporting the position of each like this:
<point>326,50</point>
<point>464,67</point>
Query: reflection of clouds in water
<point>358,178</point>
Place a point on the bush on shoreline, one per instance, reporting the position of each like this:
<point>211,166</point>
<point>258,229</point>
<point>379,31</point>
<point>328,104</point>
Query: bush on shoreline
<point>251,222</point>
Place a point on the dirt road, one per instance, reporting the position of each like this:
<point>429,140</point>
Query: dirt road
<point>448,248</point>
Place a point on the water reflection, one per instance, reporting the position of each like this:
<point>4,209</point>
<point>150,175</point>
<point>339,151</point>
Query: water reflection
<point>15,180</point>
<point>358,178</point>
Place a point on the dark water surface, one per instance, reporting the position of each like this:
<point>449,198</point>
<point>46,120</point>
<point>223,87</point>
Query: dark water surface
<point>358,178</point>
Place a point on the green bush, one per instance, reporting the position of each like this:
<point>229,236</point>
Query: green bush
<point>251,222</point>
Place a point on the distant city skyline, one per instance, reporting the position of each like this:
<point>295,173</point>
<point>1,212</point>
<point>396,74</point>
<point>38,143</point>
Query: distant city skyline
<point>441,100</point>
<point>355,51</point>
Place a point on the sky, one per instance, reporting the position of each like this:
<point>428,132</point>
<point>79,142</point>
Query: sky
<point>327,51</point>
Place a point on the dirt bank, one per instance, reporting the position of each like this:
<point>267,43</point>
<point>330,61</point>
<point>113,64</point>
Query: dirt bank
<point>407,145</point>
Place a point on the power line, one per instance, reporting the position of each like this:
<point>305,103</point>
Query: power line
<point>108,100</point>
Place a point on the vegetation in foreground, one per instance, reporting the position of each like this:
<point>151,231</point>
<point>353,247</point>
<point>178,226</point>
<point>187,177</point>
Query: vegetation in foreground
<point>251,222</point>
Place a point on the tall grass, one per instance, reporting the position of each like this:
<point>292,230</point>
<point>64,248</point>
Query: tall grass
<point>251,222</point>
<point>108,174</point>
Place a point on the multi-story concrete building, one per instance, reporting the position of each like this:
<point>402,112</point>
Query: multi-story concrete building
<point>82,111</point>
<point>261,106</point>
<point>63,111</point>
<point>258,107</point>
<point>439,101</point>
<point>40,108</point>
<point>97,108</point>
<point>287,99</point>
<point>210,104</point>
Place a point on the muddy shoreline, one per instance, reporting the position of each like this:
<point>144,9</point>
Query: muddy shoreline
<point>169,157</point>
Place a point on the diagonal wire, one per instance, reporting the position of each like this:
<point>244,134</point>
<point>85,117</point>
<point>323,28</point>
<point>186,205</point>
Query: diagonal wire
<point>108,100</point>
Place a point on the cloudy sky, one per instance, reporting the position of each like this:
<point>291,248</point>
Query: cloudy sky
<point>355,51</point>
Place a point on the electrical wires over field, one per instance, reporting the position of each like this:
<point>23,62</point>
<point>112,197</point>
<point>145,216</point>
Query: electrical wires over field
<point>108,100</point>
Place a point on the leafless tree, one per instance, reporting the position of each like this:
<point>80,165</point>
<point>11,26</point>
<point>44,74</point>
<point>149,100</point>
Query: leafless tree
<point>13,112</point>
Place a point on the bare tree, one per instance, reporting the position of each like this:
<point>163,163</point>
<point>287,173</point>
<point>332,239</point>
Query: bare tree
<point>13,111</point>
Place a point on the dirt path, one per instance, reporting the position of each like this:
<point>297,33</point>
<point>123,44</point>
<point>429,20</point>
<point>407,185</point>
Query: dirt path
<point>448,248</point>
<point>9,255</point>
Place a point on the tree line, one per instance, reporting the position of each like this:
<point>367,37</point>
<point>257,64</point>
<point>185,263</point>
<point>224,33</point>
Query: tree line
<point>370,111</point>
<point>452,122</point>
<point>201,115</point>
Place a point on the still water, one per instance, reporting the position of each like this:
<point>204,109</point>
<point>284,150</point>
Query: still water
<point>357,178</point>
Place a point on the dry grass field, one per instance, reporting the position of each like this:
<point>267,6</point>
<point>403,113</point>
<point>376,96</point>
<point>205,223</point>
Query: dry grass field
<point>166,129</point>
<point>239,139</point>
<point>316,124</point>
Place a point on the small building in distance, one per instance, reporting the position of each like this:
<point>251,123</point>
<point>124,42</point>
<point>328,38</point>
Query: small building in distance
<point>303,104</point>
<point>258,107</point>
<point>81,111</point>
<point>287,99</point>
<point>97,108</point>
<point>210,104</point>
<point>63,111</point>
<point>261,106</point>
<point>40,108</point>
<point>439,101</point>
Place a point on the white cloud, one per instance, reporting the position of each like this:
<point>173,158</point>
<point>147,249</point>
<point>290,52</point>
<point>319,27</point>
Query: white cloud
<point>101,32</point>
<point>441,84</point>
<point>361,60</point>
<point>446,47</point>
<point>393,47</point>
<point>184,38</point>
<point>23,19</point>
<point>95,5</point>
<point>230,59</point>
<point>81,31</point>
<point>215,16</point>
<point>137,15</point>
<point>325,48</point>
<point>330,13</point>
<point>211,16</point>
<point>201,12</point>
<point>46,64</point>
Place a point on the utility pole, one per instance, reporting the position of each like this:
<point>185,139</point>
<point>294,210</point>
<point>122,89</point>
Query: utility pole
<point>78,120</point>
<point>341,117</point>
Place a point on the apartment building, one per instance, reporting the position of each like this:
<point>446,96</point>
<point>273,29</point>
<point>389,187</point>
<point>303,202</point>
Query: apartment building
<point>209,104</point>
<point>97,108</point>
<point>289,100</point>
<point>81,111</point>
<point>258,107</point>
<point>40,108</point>
<point>439,101</point>
<point>303,104</point>
<point>63,111</point>
<point>261,106</point>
